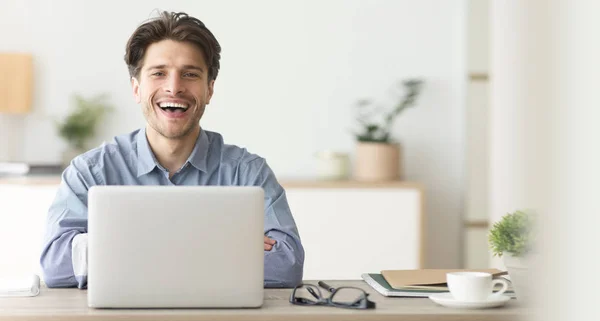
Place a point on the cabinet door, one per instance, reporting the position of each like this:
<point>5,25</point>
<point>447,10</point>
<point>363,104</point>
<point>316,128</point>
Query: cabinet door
<point>23,211</point>
<point>347,232</point>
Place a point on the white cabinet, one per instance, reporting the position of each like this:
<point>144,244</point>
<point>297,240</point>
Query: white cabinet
<point>347,228</point>
<point>23,210</point>
<point>350,228</point>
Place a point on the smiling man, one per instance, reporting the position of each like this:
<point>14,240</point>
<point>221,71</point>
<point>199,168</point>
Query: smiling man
<point>173,62</point>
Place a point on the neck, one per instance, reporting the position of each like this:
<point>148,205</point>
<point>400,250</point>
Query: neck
<point>172,153</point>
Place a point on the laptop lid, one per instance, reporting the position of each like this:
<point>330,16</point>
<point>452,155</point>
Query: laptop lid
<point>175,246</point>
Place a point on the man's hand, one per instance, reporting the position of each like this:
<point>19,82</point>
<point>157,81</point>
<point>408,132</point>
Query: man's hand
<point>269,243</point>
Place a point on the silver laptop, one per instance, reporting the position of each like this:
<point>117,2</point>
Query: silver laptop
<point>175,246</point>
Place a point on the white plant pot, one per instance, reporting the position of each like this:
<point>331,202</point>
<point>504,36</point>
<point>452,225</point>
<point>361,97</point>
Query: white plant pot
<point>518,269</point>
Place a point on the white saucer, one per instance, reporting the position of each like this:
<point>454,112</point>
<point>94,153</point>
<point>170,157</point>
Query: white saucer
<point>446,299</point>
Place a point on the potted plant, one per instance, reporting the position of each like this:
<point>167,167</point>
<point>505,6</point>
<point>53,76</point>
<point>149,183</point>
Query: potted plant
<point>512,239</point>
<point>80,125</point>
<point>377,154</point>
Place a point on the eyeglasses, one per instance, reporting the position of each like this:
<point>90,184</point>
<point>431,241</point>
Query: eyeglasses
<point>342,297</point>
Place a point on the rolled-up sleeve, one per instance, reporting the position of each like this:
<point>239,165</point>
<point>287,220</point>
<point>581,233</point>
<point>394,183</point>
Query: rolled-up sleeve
<point>284,264</point>
<point>67,218</point>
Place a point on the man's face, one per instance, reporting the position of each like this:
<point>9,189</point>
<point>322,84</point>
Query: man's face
<point>173,87</point>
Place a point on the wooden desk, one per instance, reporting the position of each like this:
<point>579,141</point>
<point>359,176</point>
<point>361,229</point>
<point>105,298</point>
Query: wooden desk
<point>71,304</point>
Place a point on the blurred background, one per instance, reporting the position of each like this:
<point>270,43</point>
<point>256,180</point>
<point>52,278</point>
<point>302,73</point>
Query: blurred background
<point>291,72</point>
<point>501,118</point>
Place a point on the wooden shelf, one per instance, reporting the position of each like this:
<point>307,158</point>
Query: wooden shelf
<point>315,183</point>
<point>286,183</point>
<point>31,180</point>
<point>482,224</point>
<point>478,76</point>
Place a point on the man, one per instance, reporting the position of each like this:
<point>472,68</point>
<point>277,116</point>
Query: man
<point>173,62</point>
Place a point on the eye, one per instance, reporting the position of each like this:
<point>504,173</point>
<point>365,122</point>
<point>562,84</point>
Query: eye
<point>190,75</point>
<point>158,74</point>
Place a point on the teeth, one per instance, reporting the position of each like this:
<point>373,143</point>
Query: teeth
<point>175,105</point>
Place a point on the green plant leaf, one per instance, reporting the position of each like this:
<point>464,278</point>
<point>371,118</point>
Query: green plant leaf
<point>514,233</point>
<point>80,125</point>
<point>380,132</point>
<point>370,139</point>
<point>372,128</point>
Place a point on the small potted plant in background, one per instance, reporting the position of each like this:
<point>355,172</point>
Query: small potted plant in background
<point>377,154</point>
<point>512,239</point>
<point>81,124</point>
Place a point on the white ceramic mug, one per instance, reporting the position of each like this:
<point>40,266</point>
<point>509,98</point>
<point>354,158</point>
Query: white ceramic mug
<point>474,286</point>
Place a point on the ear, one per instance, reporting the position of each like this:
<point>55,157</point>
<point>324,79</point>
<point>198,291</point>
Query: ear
<point>135,86</point>
<point>211,90</point>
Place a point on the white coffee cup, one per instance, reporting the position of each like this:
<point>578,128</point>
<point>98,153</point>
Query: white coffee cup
<point>474,286</point>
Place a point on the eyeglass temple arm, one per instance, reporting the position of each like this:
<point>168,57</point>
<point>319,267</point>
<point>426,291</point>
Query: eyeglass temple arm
<point>326,286</point>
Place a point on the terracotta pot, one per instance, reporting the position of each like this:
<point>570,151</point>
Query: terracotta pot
<point>377,162</point>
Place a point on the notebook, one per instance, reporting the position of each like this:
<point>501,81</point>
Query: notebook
<point>379,284</point>
<point>400,279</point>
<point>21,286</point>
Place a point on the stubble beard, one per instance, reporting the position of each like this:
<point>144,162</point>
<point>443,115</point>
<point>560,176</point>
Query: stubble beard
<point>152,118</point>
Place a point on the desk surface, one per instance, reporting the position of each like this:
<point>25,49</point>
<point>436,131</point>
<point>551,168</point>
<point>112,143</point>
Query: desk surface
<point>71,304</point>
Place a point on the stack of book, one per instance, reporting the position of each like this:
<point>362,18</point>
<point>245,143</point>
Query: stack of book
<point>419,283</point>
<point>19,286</point>
<point>13,169</point>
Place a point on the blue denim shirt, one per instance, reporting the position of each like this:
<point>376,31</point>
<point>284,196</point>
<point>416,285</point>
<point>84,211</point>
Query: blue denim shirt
<point>128,160</point>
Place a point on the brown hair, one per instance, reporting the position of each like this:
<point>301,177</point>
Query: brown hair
<point>176,26</point>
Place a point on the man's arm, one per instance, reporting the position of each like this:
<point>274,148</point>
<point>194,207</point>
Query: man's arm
<point>67,218</point>
<point>284,263</point>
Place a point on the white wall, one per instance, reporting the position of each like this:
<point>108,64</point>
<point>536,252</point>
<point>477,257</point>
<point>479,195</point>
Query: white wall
<point>11,133</point>
<point>477,137</point>
<point>291,71</point>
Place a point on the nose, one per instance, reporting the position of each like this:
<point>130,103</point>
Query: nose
<point>174,85</point>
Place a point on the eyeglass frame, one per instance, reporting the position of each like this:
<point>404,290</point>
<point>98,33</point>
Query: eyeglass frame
<point>365,303</point>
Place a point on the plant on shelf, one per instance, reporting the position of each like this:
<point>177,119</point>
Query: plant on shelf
<point>377,122</point>
<point>513,234</point>
<point>513,239</point>
<point>81,123</point>
<point>377,155</point>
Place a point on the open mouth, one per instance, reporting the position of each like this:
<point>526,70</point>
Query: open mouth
<point>173,108</point>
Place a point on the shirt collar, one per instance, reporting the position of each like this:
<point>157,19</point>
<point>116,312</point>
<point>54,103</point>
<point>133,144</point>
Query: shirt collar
<point>147,161</point>
<point>198,157</point>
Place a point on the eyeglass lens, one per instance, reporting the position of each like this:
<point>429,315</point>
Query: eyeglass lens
<point>308,294</point>
<point>348,296</point>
